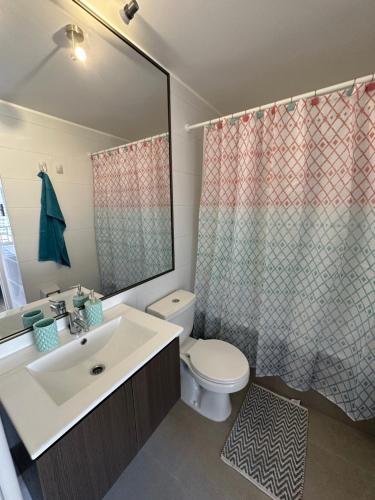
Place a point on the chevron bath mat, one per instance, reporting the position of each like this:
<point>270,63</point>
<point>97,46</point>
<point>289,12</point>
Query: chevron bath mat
<point>267,444</point>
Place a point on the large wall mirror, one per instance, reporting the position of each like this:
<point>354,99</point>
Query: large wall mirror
<point>85,174</point>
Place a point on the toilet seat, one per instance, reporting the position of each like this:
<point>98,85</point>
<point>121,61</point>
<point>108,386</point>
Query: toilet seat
<point>218,362</point>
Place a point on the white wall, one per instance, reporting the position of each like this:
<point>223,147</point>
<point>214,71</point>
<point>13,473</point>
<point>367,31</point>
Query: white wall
<point>26,139</point>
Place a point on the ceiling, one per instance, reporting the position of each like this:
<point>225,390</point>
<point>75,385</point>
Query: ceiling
<point>116,90</point>
<point>242,53</point>
<point>234,54</point>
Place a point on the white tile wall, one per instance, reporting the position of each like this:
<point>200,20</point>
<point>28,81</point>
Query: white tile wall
<point>26,139</point>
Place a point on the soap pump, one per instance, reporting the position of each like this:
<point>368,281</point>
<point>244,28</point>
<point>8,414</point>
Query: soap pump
<point>80,297</point>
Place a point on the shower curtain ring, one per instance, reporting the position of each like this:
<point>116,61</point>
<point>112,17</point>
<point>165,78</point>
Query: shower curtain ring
<point>290,106</point>
<point>315,99</point>
<point>349,91</point>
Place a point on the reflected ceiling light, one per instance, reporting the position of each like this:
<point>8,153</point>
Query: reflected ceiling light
<point>75,34</point>
<point>80,54</point>
<point>130,10</point>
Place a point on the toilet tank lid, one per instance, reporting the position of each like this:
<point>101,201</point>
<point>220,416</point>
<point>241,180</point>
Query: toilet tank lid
<point>171,305</point>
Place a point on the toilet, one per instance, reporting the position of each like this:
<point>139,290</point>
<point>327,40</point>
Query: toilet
<point>211,369</point>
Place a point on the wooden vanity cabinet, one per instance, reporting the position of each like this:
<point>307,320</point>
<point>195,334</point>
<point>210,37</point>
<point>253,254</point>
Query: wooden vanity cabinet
<point>156,388</point>
<point>88,459</point>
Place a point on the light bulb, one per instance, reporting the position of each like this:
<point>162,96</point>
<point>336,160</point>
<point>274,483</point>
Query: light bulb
<point>80,54</point>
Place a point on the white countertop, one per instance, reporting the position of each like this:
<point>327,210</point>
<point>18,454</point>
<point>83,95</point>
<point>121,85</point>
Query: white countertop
<point>38,420</point>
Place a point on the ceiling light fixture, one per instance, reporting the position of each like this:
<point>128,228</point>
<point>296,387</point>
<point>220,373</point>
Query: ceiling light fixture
<point>75,34</point>
<point>130,10</point>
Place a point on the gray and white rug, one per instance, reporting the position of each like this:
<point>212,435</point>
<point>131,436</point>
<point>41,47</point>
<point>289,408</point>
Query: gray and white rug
<point>268,442</point>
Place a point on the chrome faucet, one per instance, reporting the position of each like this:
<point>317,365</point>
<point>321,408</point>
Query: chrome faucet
<point>77,323</point>
<point>58,306</point>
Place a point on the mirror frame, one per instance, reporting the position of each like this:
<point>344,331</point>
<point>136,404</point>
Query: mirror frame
<point>119,35</point>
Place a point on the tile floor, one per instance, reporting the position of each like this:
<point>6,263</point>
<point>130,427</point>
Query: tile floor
<point>181,461</point>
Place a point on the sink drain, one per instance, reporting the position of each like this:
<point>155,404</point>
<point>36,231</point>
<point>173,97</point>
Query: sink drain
<point>97,369</point>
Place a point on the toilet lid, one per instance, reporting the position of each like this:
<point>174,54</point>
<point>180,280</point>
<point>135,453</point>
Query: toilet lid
<point>218,361</point>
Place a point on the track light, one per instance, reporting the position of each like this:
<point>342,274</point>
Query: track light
<point>130,10</point>
<point>75,34</point>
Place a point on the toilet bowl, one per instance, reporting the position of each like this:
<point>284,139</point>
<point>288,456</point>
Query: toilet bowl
<point>211,369</point>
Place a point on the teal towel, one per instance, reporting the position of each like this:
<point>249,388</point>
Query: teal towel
<point>52,226</point>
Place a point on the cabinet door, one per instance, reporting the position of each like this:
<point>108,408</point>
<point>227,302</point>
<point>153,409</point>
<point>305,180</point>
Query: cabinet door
<point>156,388</point>
<point>89,458</point>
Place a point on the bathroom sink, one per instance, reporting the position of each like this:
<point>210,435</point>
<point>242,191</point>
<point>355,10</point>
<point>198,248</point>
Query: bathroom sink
<point>66,371</point>
<point>64,385</point>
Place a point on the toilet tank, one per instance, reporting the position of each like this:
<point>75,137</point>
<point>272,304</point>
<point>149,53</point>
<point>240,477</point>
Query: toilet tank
<point>178,308</point>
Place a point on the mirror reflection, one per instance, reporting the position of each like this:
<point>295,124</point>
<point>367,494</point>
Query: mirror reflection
<point>85,188</point>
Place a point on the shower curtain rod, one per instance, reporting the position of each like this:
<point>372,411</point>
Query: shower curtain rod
<point>314,93</point>
<point>148,139</point>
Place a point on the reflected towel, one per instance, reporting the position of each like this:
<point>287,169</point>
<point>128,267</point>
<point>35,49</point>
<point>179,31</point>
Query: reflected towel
<point>52,226</point>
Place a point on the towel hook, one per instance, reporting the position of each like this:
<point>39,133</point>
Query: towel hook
<point>43,167</point>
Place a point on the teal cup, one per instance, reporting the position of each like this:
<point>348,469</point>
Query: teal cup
<point>46,336</point>
<point>94,312</point>
<point>31,317</point>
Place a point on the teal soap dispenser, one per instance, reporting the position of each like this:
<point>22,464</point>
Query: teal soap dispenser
<point>80,297</point>
<point>94,310</point>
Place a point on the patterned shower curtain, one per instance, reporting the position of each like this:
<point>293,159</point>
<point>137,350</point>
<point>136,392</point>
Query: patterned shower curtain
<point>132,213</point>
<point>286,253</point>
